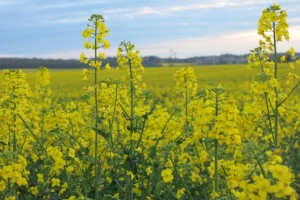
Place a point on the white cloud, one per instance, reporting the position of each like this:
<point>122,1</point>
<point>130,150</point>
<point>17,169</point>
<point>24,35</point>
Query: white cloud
<point>235,43</point>
<point>64,4</point>
<point>199,6</point>
<point>65,20</point>
<point>7,55</point>
<point>75,53</point>
<point>167,10</point>
<point>294,20</point>
<point>6,2</point>
<point>147,10</point>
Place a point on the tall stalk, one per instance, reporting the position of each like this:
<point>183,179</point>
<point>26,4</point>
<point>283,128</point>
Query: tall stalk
<point>95,33</point>
<point>131,151</point>
<point>186,100</point>
<point>131,106</point>
<point>276,117</point>
<point>15,121</point>
<point>216,186</point>
<point>216,144</point>
<point>129,59</point>
<point>96,111</point>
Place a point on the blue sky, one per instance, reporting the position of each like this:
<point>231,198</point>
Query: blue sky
<point>183,28</point>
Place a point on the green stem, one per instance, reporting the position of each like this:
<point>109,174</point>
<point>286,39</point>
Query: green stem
<point>217,105</point>
<point>275,51</point>
<point>216,166</point>
<point>33,134</point>
<point>113,117</point>
<point>163,129</point>
<point>15,122</point>
<point>131,105</point>
<point>261,168</point>
<point>181,180</point>
<point>73,134</point>
<point>72,129</point>
<point>141,135</point>
<point>131,122</point>
<point>276,115</point>
<point>9,138</point>
<point>186,101</point>
<point>131,118</point>
<point>96,113</point>
<point>269,116</point>
<point>216,148</point>
<point>291,92</point>
<point>146,190</point>
<point>261,64</point>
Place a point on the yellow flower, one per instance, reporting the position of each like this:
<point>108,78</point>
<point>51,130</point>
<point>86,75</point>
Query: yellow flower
<point>57,154</point>
<point>59,165</point>
<point>149,171</point>
<point>72,153</point>
<point>263,186</point>
<point>180,193</point>
<point>87,33</point>
<point>136,189</point>
<point>21,181</point>
<point>95,64</point>
<point>291,51</point>
<point>186,81</point>
<point>55,182</point>
<point>85,73</point>
<point>2,185</point>
<point>214,195</point>
<point>72,198</point>
<point>130,174</point>
<point>87,45</point>
<point>117,196</point>
<point>70,169</point>
<point>64,187</point>
<point>83,58</point>
<point>167,175</point>
<point>40,178</point>
<point>10,198</point>
<point>102,55</point>
<point>281,173</point>
<point>94,46</point>
<point>282,58</point>
<point>106,44</point>
<point>107,66</point>
<point>7,172</point>
<point>34,190</point>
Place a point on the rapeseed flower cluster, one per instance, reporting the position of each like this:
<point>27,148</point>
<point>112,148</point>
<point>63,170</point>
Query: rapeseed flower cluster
<point>95,34</point>
<point>274,20</point>
<point>186,81</point>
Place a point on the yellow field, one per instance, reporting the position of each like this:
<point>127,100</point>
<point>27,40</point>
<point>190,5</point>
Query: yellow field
<point>68,83</point>
<point>148,146</point>
<point>235,79</point>
<point>205,132</point>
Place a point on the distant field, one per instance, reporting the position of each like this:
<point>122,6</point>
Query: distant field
<point>234,78</point>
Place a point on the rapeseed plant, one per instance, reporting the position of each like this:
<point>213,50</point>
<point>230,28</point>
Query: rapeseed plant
<point>269,93</point>
<point>96,31</point>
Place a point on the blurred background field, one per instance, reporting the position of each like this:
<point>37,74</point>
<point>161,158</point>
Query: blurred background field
<point>235,79</point>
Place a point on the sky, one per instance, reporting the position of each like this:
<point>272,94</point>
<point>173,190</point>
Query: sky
<point>164,28</point>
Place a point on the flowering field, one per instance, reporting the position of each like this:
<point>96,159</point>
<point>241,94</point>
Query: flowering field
<point>160,80</point>
<point>217,132</point>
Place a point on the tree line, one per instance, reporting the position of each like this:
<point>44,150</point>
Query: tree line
<point>148,61</point>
